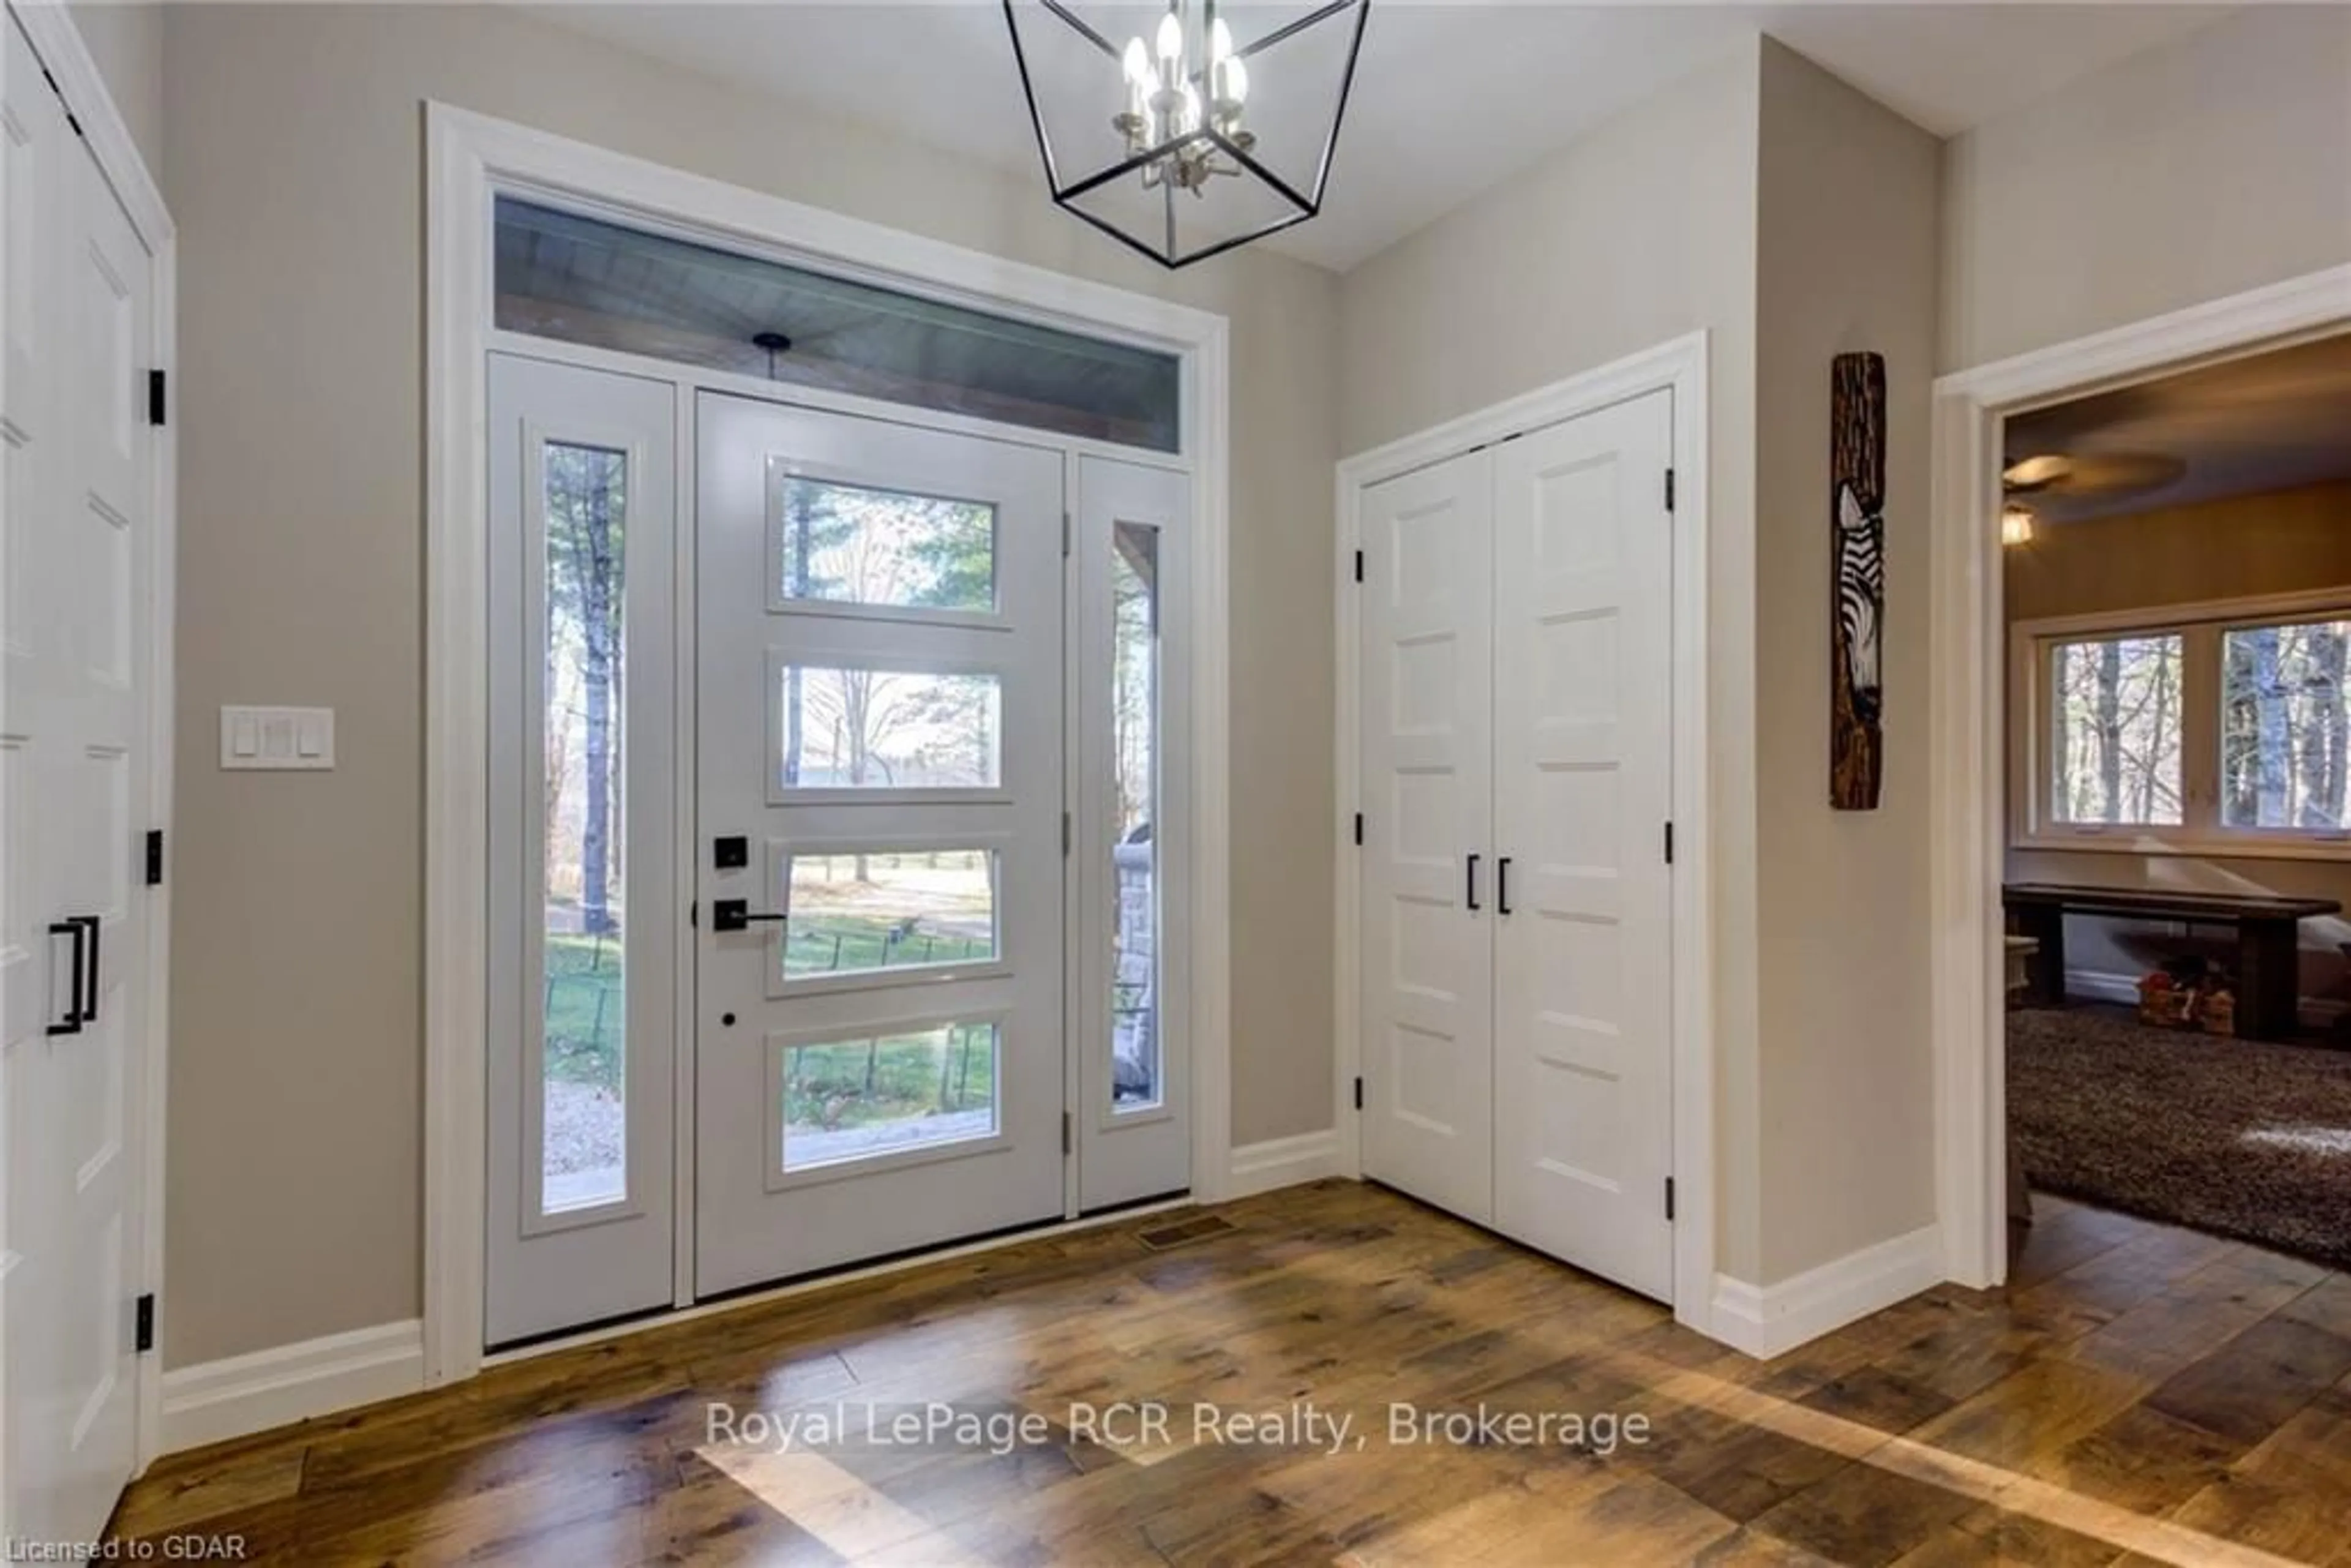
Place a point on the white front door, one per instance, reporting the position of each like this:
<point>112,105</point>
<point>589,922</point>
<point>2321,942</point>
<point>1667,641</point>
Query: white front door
<point>1582,789</point>
<point>76,659</point>
<point>582,906</point>
<point>1427,878</point>
<point>880,839</point>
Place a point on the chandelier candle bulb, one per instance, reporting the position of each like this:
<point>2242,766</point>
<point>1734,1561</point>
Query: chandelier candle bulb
<point>1137,66</point>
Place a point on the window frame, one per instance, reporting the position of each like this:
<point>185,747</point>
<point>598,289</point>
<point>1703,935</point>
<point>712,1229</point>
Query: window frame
<point>2201,628</point>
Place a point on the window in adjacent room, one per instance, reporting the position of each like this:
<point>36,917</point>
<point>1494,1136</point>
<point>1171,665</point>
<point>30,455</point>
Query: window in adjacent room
<point>2220,728</point>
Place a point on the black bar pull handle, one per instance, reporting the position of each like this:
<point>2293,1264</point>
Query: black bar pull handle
<point>1473,884</point>
<point>90,982</point>
<point>735,914</point>
<point>71,1022</point>
<point>1502,885</point>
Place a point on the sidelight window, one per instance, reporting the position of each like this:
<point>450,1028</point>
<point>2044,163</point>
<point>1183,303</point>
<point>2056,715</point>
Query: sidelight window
<point>583,993</point>
<point>1135,1056</point>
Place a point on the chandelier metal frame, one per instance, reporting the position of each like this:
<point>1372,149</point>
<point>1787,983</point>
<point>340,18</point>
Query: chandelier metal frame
<point>1186,159</point>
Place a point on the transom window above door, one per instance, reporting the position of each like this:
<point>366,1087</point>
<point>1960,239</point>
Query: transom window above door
<point>584,280</point>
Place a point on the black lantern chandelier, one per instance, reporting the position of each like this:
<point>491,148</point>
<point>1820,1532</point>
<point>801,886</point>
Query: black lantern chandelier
<point>1171,131</point>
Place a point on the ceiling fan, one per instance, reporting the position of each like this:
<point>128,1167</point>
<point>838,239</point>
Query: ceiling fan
<point>2077,477</point>
<point>2090,474</point>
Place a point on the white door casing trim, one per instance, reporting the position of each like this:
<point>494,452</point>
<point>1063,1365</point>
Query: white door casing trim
<point>1679,365</point>
<point>468,154</point>
<point>67,59</point>
<point>1967,821</point>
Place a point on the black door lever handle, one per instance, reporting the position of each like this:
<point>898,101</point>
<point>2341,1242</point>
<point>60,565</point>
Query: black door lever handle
<point>735,914</point>
<point>72,1022</point>
<point>90,982</point>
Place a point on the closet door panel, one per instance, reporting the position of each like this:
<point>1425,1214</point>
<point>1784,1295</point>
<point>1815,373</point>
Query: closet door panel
<point>1582,703</point>
<point>1427,782</point>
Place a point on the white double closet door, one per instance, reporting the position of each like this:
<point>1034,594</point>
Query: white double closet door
<point>1517,658</point>
<point>78,564</point>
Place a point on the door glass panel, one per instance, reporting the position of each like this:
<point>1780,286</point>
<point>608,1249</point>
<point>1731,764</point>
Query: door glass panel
<point>856,913</point>
<point>584,990</point>
<point>858,728</point>
<point>869,1095</point>
<point>849,544</point>
<point>1135,1074</point>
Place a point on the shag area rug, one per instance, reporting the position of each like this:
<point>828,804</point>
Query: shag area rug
<point>2232,1137</point>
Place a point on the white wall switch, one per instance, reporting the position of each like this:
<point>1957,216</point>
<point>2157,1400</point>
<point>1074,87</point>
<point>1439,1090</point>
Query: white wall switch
<point>277,738</point>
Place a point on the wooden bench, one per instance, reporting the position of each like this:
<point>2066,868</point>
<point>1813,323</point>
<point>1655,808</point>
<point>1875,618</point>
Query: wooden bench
<point>2268,939</point>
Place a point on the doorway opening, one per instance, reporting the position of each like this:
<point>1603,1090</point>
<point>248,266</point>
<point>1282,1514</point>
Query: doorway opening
<point>2132,788</point>
<point>2177,593</point>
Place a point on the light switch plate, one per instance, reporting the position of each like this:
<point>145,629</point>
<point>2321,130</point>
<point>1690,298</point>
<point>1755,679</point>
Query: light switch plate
<point>277,738</point>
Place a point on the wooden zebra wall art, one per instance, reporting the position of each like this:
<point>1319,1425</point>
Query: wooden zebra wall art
<point>1857,586</point>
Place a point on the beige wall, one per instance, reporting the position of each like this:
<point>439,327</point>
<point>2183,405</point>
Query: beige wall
<point>127,42</point>
<point>2213,164</point>
<point>293,160</point>
<point>1639,232</point>
<point>1846,262</point>
<point>2288,541</point>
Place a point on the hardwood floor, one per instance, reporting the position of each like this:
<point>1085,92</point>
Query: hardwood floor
<point>2137,1394</point>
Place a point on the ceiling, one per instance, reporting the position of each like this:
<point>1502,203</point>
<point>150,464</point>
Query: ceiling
<point>1450,97</point>
<point>2267,422</point>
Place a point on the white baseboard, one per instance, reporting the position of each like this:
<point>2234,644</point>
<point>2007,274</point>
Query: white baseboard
<point>1766,1320</point>
<point>1283,1162</point>
<point>2101,985</point>
<point>213,1401</point>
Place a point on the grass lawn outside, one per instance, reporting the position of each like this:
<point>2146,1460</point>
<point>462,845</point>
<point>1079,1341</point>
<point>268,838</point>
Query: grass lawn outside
<point>835,1087</point>
<point>834,943</point>
<point>586,1016</point>
<point>894,1078</point>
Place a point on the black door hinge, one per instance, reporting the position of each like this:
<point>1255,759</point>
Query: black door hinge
<point>71,123</point>
<point>1359,566</point>
<point>1359,1094</point>
<point>1069,1136</point>
<point>154,397</point>
<point>1359,829</point>
<point>1669,489</point>
<point>1669,1197</point>
<point>144,1329</point>
<point>154,857</point>
<point>1670,844</point>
